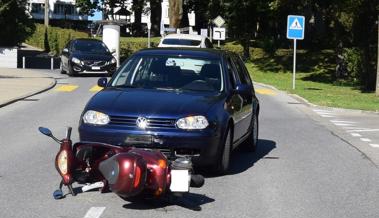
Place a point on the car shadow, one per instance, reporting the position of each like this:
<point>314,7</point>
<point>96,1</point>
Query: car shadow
<point>242,160</point>
<point>92,75</point>
<point>191,201</point>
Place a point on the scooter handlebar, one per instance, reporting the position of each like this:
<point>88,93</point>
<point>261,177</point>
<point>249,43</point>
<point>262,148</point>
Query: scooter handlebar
<point>68,132</point>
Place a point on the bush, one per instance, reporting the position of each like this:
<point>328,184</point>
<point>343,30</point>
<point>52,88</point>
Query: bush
<point>353,59</point>
<point>56,38</point>
<point>130,45</point>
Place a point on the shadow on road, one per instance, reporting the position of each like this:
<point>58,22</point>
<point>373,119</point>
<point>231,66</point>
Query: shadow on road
<point>191,201</point>
<point>242,160</point>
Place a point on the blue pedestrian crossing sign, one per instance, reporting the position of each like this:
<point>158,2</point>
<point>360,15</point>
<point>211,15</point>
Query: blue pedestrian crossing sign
<point>295,27</point>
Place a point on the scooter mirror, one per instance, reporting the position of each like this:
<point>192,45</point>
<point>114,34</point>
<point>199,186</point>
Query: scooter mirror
<point>45,131</point>
<point>58,194</point>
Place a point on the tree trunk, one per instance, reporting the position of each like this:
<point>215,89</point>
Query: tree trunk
<point>175,12</point>
<point>156,14</point>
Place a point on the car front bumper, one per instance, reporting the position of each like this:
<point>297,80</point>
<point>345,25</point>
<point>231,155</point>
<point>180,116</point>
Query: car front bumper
<point>86,68</point>
<point>202,145</point>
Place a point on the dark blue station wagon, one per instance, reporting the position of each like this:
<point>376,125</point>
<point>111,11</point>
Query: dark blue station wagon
<point>198,102</point>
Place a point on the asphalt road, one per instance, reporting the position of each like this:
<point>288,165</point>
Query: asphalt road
<point>302,168</point>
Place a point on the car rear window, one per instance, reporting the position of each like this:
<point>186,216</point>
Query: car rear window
<point>188,42</point>
<point>171,73</point>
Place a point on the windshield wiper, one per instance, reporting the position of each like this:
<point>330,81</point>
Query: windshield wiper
<point>125,86</point>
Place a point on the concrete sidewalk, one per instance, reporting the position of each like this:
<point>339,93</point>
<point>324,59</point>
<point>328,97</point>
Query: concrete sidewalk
<point>17,84</point>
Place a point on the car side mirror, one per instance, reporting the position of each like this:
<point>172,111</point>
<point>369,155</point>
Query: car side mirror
<point>102,82</point>
<point>243,89</point>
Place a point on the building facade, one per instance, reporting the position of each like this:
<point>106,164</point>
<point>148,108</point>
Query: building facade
<point>58,10</point>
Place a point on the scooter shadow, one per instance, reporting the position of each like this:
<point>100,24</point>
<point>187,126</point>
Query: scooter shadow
<point>191,201</point>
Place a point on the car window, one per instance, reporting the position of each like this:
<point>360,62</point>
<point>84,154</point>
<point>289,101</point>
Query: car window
<point>231,72</point>
<point>187,42</point>
<point>89,46</point>
<point>171,73</point>
<point>244,79</point>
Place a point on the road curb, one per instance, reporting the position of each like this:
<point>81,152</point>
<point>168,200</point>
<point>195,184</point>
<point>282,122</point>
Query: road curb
<point>48,87</point>
<point>305,101</point>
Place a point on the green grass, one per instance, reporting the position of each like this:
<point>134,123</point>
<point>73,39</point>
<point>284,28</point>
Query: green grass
<point>313,81</point>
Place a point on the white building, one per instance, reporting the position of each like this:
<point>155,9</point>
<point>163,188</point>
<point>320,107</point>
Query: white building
<point>58,9</point>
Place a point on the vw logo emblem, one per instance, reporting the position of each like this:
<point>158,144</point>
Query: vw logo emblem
<point>141,122</point>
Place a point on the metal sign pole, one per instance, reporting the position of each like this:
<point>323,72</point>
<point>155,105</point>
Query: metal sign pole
<point>294,65</point>
<point>218,43</point>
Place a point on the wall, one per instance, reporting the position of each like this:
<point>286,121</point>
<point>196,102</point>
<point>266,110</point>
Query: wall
<point>8,57</point>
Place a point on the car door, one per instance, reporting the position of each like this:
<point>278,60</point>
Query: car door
<point>243,80</point>
<point>235,101</point>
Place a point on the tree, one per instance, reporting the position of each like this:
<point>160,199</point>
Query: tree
<point>15,23</point>
<point>175,12</point>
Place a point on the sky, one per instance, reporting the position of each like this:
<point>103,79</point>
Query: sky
<point>97,16</point>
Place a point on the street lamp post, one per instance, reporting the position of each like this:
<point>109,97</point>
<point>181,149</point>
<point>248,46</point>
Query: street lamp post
<point>46,13</point>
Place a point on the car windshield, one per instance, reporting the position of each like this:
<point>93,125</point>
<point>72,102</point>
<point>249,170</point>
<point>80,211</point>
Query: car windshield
<point>89,46</point>
<point>171,73</point>
<point>187,42</point>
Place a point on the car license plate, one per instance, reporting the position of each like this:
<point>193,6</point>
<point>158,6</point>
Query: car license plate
<point>179,181</point>
<point>95,68</point>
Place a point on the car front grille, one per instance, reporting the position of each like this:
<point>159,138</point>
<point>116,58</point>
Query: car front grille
<point>151,122</point>
<point>95,63</point>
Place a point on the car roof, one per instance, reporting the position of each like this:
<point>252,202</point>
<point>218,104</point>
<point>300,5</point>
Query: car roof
<point>185,36</point>
<point>194,52</point>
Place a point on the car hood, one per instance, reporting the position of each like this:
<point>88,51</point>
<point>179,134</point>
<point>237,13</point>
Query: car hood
<point>152,103</point>
<point>92,56</point>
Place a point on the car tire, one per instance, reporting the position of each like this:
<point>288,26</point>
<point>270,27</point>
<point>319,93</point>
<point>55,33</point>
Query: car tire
<point>223,159</point>
<point>61,68</point>
<point>251,142</point>
<point>71,72</point>
<point>109,73</point>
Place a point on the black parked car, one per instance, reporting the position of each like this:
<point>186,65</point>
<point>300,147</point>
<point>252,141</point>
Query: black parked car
<point>85,56</point>
<point>198,102</point>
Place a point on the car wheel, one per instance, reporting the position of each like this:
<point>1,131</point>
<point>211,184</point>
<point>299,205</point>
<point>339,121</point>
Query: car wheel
<point>109,73</point>
<point>61,68</point>
<point>252,140</point>
<point>71,72</point>
<point>222,165</point>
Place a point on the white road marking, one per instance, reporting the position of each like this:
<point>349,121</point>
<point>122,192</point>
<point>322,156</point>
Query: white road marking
<point>365,140</point>
<point>356,134</point>
<point>329,116</point>
<point>94,212</point>
<point>342,124</point>
<point>319,110</point>
<point>374,145</point>
<point>364,130</point>
<point>342,121</point>
<point>352,127</point>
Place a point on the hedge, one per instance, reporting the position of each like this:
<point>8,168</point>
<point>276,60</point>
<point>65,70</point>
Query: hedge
<point>56,38</point>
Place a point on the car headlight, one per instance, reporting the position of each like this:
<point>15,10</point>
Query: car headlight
<point>95,117</point>
<point>113,60</point>
<point>75,60</point>
<point>192,122</point>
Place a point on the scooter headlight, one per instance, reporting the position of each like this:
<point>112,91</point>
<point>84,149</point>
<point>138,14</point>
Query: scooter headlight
<point>62,162</point>
<point>96,118</point>
<point>192,122</point>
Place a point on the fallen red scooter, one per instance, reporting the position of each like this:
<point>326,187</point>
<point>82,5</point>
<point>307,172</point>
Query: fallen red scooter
<point>127,171</point>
